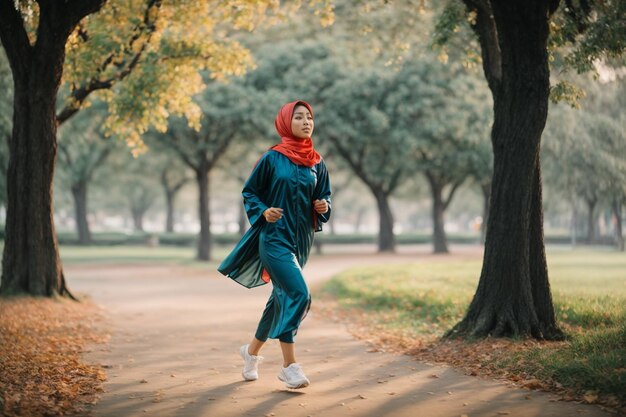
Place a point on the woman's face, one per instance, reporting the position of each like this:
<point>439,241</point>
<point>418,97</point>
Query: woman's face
<point>302,122</point>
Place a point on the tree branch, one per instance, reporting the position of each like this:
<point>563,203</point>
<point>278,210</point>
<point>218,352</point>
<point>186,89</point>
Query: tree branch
<point>357,167</point>
<point>485,29</point>
<point>14,38</point>
<point>79,95</point>
<point>76,10</point>
<point>455,186</point>
<point>101,158</point>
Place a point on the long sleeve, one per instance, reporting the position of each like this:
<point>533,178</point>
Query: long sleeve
<point>322,192</point>
<point>254,190</point>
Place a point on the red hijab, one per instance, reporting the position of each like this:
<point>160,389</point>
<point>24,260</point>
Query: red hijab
<point>299,151</point>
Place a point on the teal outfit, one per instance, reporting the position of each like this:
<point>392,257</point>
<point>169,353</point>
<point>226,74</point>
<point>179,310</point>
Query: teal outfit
<point>281,248</point>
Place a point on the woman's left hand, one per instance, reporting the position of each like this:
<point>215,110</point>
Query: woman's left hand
<point>321,206</point>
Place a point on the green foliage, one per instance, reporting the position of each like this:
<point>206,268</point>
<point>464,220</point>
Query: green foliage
<point>567,92</point>
<point>583,37</point>
<point>587,38</point>
<point>584,149</point>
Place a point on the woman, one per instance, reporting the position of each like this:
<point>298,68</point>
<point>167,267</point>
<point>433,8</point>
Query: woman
<point>287,198</point>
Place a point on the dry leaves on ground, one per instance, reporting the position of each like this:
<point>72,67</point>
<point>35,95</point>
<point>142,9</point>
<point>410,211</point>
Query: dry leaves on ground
<point>41,371</point>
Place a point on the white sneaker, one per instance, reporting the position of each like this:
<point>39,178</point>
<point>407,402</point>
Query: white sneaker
<point>293,376</point>
<point>251,364</point>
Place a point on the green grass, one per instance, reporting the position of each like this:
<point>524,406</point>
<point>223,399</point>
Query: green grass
<point>71,255</point>
<point>423,300</point>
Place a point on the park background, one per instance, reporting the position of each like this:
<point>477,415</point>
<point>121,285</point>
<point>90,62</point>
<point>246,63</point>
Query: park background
<point>150,164</point>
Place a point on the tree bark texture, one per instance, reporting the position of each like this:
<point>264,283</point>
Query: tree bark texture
<point>513,295</point>
<point>31,262</point>
<point>79,193</point>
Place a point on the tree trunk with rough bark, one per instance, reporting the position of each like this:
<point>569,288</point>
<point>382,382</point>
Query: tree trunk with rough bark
<point>513,296</point>
<point>79,193</point>
<point>31,262</point>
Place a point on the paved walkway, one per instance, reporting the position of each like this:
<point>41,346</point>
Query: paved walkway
<point>176,333</point>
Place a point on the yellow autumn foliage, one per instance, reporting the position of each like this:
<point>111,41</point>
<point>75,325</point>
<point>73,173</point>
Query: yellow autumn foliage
<point>149,56</point>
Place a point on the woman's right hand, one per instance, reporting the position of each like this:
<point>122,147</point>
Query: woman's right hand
<point>273,214</point>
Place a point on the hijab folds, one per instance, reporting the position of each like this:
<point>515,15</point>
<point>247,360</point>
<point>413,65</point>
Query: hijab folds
<point>299,151</point>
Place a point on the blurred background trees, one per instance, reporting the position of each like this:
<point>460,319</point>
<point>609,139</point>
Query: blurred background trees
<point>405,127</point>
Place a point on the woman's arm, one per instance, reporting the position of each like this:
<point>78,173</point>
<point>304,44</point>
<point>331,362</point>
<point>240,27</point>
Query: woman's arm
<point>322,192</point>
<point>253,189</point>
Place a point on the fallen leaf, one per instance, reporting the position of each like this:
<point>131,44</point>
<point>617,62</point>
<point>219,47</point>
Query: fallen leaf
<point>590,397</point>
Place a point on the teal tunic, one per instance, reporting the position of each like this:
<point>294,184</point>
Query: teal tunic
<point>283,247</point>
<point>275,181</point>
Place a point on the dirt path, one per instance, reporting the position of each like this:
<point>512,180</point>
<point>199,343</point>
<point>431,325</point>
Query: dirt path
<point>177,331</point>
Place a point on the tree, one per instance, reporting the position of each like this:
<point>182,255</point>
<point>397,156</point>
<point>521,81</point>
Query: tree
<point>445,112</point>
<point>358,125</point>
<point>31,260</point>
<point>513,297</point>
<point>173,174</point>
<point>130,48</point>
<point>227,114</point>
<point>173,179</point>
<point>583,150</point>
<point>82,151</point>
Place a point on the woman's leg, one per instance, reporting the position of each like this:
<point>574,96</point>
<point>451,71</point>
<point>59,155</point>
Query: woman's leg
<point>255,346</point>
<point>289,353</point>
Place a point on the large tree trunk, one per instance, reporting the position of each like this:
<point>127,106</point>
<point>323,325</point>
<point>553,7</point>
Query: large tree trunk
<point>204,238</point>
<point>31,262</point>
<point>617,213</point>
<point>79,192</point>
<point>539,282</point>
<point>591,219</point>
<point>513,295</point>
<point>440,241</point>
<point>386,238</point>
<point>486,191</point>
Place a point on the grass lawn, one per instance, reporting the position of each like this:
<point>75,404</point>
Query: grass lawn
<point>413,305</point>
<point>72,255</point>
